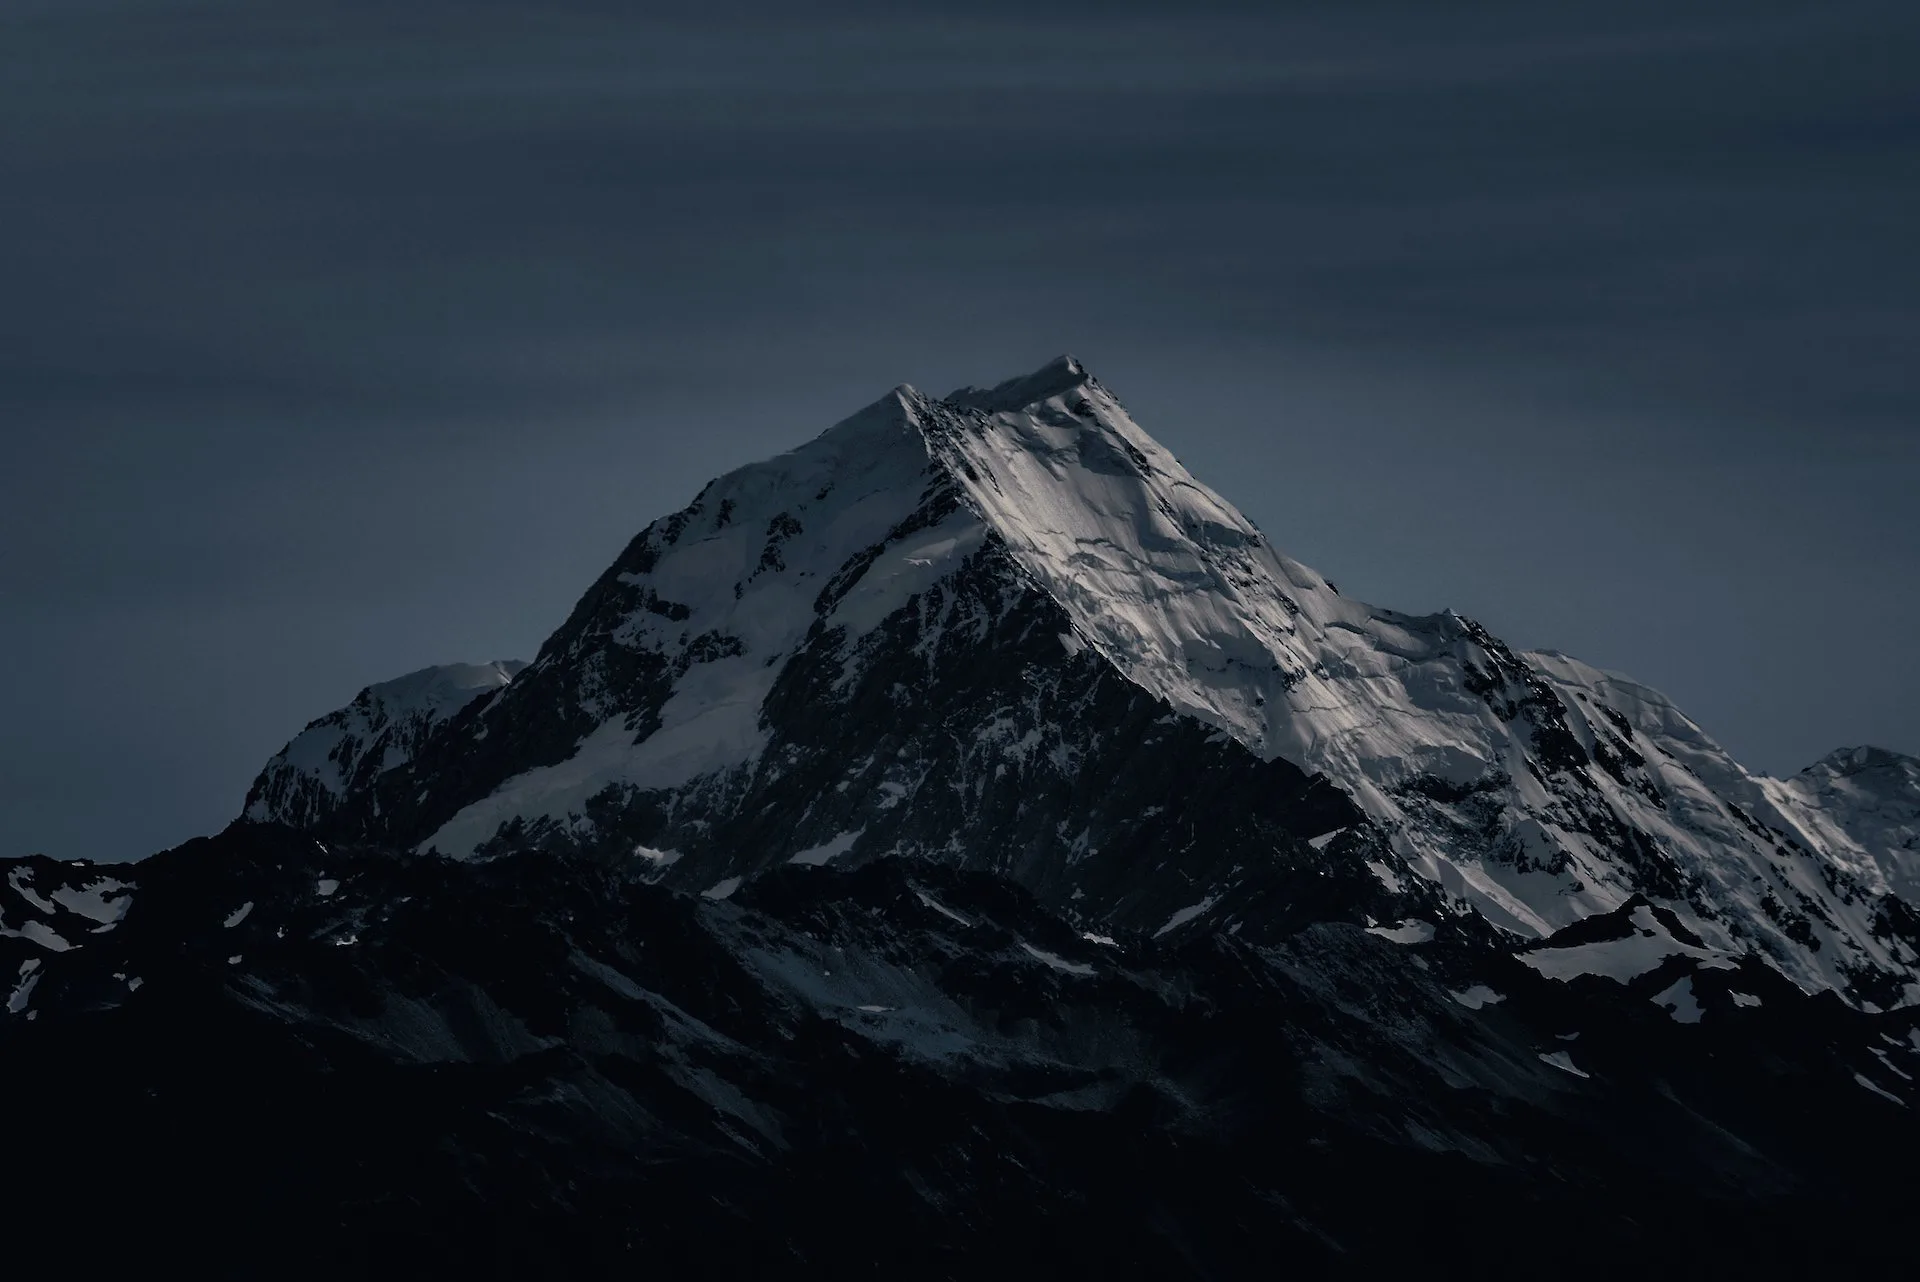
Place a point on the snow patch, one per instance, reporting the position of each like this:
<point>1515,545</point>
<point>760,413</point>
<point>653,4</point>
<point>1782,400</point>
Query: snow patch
<point>238,915</point>
<point>326,886</point>
<point>1562,1061</point>
<point>38,932</point>
<point>1620,960</point>
<point>1677,1000</point>
<point>721,889</point>
<point>818,855</point>
<point>22,991</point>
<point>1185,915</point>
<point>1058,962</point>
<point>1410,931</point>
<point>21,879</point>
<point>1477,997</point>
<point>97,901</point>
<point>1879,1090</point>
<point>941,908</point>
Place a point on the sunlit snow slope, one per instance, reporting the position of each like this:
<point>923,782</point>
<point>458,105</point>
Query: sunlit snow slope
<point>919,614</point>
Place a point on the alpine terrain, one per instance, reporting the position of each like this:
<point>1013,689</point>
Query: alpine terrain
<point>964,845</point>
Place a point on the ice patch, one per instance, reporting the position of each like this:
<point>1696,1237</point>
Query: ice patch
<point>1562,1061</point>
<point>326,886</point>
<point>133,985</point>
<point>238,915</point>
<point>875,1010</point>
<point>818,855</point>
<point>1677,1000</point>
<point>1105,941</point>
<point>234,960</point>
<point>1410,931</point>
<point>721,889</point>
<point>1478,996</point>
<point>1744,999</point>
<point>1325,839</point>
<point>1185,915</point>
<point>1057,962</point>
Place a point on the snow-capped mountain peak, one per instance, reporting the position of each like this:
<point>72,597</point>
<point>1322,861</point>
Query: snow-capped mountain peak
<point>1059,377</point>
<point>872,643</point>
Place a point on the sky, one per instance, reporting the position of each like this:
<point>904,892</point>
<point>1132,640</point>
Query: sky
<point>338,339</point>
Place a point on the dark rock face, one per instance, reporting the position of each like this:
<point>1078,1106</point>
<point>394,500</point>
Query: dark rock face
<point>536,1066</point>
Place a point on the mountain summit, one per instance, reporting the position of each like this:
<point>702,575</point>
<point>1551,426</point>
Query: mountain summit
<point>943,618</point>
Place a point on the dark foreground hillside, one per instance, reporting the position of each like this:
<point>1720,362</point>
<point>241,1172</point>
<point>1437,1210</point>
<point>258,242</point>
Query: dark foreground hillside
<point>353,1062</point>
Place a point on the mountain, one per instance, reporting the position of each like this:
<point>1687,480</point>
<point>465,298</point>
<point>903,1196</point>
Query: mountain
<point>963,846</point>
<point>1006,629</point>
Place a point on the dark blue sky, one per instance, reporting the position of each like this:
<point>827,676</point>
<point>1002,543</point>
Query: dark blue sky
<point>339,339</point>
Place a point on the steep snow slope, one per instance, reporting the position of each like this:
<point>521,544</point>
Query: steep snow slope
<point>1522,782</point>
<point>380,729</point>
<point>1007,629</point>
<point>842,532</point>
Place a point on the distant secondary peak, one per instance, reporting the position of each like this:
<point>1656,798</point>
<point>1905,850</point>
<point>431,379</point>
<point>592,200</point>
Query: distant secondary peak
<point>1847,761</point>
<point>1058,377</point>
